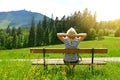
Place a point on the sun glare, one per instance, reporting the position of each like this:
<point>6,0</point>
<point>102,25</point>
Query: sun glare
<point>106,9</point>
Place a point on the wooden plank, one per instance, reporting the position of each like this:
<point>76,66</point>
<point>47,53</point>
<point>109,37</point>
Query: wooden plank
<point>62,50</point>
<point>60,62</point>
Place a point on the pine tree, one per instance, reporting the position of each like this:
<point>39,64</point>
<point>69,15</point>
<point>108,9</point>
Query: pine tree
<point>53,36</point>
<point>46,36</point>
<point>39,35</point>
<point>19,31</point>
<point>31,40</point>
<point>2,38</point>
<point>8,30</point>
<point>51,23</point>
<point>44,22</point>
<point>19,36</point>
<point>9,42</point>
<point>14,38</point>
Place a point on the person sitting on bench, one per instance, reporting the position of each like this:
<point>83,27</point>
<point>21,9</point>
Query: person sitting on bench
<point>71,40</point>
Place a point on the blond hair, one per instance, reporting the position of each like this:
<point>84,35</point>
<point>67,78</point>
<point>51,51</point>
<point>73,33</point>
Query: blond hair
<point>71,31</point>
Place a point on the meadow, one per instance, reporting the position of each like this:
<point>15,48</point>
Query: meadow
<point>112,43</point>
<point>26,71</point>
<point>23,70</point>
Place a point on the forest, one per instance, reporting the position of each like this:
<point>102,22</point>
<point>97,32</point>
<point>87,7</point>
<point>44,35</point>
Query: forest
<point>44,33</point>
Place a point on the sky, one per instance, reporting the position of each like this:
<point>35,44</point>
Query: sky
<point>105,9</point>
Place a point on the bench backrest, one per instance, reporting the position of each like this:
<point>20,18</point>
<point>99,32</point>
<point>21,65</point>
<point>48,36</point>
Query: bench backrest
<point>62,50</point>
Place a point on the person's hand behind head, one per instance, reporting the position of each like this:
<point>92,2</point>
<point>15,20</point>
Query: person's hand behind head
<point>72,36</point>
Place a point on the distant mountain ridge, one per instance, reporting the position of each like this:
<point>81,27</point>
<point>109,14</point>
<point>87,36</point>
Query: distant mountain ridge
<point>19,18</point>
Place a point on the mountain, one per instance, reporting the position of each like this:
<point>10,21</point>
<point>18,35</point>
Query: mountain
<point>19,18</point>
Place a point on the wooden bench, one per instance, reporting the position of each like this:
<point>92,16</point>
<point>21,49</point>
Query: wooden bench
<point>91,51</point>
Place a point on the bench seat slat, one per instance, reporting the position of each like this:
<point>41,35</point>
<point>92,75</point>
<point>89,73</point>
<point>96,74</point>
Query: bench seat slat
<point>60,62</point>
<point>62,50</point>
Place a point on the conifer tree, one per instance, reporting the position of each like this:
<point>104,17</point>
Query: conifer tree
<point>14,38</point>
<point>44,22</point>
<point>46,36</point>
<point>8,30</point>
<point>51,23</point>
<point>31,40</point>
<point>2,38</point>
<point>9,41</point>
<point>53,36</point>
<point>19,35</point>
<point>19,31</point>
<point>39,35</point>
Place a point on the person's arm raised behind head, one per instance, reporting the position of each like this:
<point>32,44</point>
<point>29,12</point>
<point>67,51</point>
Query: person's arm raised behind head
<point>61,36</point>
<point>82,36</point>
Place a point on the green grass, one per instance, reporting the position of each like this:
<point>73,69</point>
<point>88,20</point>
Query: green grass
<point>109,42</point>
<point>23,70</point>
<point>26,71</point>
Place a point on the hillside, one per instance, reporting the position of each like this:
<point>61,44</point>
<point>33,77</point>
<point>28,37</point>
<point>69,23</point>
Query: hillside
<point>19,18</point>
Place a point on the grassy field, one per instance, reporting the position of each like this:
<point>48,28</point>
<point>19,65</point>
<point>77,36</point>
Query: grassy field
<point>16,70</point>
<point>113,45</point>
<point>26,71</point>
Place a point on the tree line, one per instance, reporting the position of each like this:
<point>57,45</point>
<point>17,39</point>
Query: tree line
<point>44,33</point>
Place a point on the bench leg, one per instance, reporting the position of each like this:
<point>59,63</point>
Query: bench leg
<point>92,69</point>
<point>89,67</point>
<point>45,67</point>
